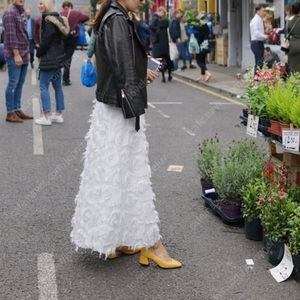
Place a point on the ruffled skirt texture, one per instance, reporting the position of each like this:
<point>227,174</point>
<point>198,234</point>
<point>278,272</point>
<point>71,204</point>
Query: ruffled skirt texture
<point>115,202</point>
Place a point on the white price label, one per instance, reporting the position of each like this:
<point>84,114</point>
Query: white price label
<point>290,140</point>
<point>252,125</point>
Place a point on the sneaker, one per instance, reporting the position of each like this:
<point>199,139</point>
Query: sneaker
<point>66,83</point>
<point>42,121</point>
<point>56,119</point>
<point>192,67</point>
<point>183,68</point>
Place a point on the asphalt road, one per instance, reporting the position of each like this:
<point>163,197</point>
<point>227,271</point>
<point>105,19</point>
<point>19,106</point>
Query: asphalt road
<point>40,170</point>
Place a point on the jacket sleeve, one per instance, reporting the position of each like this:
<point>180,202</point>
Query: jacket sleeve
<point>120,52</point>
<point>46,38</point>
<point>91,46</point>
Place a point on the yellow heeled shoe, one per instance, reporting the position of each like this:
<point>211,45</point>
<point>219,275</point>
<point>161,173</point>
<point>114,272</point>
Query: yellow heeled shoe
<point>128,251</point>
<point>148,254</point>
<point>112,256</point>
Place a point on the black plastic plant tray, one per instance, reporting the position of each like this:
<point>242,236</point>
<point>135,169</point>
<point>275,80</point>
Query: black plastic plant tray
<point>211,201</point>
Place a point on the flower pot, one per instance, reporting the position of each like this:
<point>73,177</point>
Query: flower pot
<point>231,210</point>
<point>253,230</point>
<point>245,115</point>
<point>296,271</point>
<point>206,186</point>
<point>284,127</point>
<point>276,251</point>
<point>264,122</point>
<point>275,125</point>
<point>266,242</point>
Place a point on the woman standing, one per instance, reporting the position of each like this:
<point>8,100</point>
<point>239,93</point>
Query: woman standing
<point>162,41</point>
<point>51,54</point>
<point>202,35</point>
<point>293,30</point>
<point>114,206</point>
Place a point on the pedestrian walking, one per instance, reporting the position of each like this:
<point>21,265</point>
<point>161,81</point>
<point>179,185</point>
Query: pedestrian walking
<point>258,35</point>
<point>114,207</point>
<point>175,32</point>
<point>74,17</point>
<point>153,27</point>
<point>163,51</point>
<point>16,52</point>
<point>51,53</point>
<point>184,46</point>
<point>30,30</point>
<point>201,35</point>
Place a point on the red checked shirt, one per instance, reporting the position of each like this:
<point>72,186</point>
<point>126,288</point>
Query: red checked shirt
<point>15,33</point>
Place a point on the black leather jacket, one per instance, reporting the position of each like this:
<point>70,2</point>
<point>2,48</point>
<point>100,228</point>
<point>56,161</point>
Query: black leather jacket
<point>121,62</point>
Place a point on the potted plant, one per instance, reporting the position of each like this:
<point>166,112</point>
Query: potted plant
<point>192,22</point>
<point>294,241</point>
<point>209,151</point>
<point>258,88</point>
<point>250,196</point>
<point>243,161</point>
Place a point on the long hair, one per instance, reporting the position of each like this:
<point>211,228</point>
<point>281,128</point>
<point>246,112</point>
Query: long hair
<point>100,14</point>
<point>49,5</point>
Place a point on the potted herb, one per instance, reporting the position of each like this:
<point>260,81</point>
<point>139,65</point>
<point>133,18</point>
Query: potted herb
<point>243,161</point>
<point>250,194</point>
<point>209,151</point>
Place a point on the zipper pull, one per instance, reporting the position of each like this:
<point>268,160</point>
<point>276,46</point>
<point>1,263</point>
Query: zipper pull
<point>123,94</point>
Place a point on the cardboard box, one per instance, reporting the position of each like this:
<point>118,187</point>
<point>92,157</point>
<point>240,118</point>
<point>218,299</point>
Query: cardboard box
<point>222,51</point>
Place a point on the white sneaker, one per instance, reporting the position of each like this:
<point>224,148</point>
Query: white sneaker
<point>42,121</point>
<point>56,119</point>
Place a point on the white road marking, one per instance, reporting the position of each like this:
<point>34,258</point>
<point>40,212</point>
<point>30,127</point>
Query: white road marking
<point>164,115</point>
<point>167,102</point>
<point>46,277</point>
<point>187,131</point>
<point>38,146</point>
<point>151,105</point>
<point>221,103</point>
<point>33,77</point>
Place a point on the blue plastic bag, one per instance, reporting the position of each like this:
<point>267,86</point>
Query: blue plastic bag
<point>88,74</point>
<point>81,39</point>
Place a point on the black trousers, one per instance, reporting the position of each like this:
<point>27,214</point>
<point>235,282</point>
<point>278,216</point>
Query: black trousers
<point>257,48</point>
<point>70,46</point>
<point>201,61</point>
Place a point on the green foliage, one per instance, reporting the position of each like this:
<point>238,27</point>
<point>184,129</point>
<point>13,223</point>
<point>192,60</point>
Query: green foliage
<point>294,231</point>
<point>191,19</point>
<point>250,194</point>
<point>209,151</point>
<point>243,161</point>
<point>272,102</point>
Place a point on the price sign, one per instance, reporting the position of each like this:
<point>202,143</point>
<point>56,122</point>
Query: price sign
<point>290,140</point>
<point>252,125</point>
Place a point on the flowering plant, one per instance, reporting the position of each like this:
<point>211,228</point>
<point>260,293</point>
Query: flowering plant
<point>259,85</point>
<point>275,205</point>
<point>209,151</point>
<point>242,162</point>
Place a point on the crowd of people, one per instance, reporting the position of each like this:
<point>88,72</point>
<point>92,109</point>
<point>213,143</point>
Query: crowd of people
<point>261,29</point>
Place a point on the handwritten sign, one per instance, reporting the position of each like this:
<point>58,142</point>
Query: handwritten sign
<point>252,125</point>
<point>290,140</point>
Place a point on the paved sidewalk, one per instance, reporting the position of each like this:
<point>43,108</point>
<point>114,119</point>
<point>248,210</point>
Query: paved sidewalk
<point>223,79</point>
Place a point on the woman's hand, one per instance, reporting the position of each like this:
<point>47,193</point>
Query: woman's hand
<point>151,75</point>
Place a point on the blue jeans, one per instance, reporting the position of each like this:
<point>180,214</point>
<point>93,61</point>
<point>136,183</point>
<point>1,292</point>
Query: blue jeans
<point>16,79</point>
<point>185,54</point>
<point>55,77</point>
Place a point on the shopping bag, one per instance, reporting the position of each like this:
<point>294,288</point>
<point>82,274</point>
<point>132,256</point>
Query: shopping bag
<point>88,74</point>
<point>204,47</point>
<point>81,39</point>
<point>193,45</point>
<point>173,51</point>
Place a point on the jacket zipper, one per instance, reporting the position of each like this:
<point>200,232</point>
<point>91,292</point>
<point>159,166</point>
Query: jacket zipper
<point>128,102</point>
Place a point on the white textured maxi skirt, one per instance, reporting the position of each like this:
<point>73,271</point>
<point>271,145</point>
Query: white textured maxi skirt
<point>115,202</point>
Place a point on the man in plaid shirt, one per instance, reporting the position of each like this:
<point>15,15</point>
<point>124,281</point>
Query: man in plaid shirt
<point>16,52</point>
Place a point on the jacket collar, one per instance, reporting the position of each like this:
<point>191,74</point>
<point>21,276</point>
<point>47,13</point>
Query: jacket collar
<point>120,7</point>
